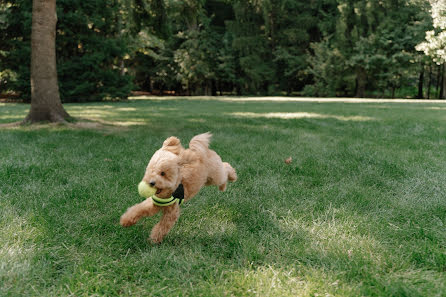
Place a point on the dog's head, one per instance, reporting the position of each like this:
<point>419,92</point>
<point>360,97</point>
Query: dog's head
<point>163,170</point>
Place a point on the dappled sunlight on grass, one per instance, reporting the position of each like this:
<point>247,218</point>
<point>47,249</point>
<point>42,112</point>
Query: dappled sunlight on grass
<point>9,117</point>
<point>220,223</point>
<point>335,234</point>
<point>92,112</point>
<point>274,281</point>
<point>86,106</point>
<point>286,99</point>
<point>327,100</point>
<point>20,244</point>
<point>435,108</point>
<point>18,247</point>
<point>278,280</point>
<point>126,109</point>
<point>12,115</point>
<point>18,126</point>
<point>196,120</point>
<point>268,281</point>
<point>358,212</point>
<point>120,123</point>
<point>119,116</point>
<point>86,123</point>
<point>300,115</point>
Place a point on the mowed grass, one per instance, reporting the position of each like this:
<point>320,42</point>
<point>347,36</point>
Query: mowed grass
<point>361,209</point>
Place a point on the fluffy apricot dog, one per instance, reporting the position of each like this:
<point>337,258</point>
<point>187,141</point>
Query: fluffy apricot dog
<point>173,167</point>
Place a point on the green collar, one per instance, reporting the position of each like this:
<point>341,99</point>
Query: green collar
<point>178,195</point>
<point>166,201</point>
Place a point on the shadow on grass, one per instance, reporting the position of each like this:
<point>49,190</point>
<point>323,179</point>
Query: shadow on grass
<point>341,219</point>
<point>233,245</point>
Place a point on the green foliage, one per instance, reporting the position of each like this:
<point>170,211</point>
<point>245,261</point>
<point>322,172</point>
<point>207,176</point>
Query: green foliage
<point>89,47</point>
<point>90,50</point>
<point>330,72</point>
<point>15,42</point>
<point>435,44</point>
<point>255,70</point>
<point>196,58</point>
<point>370,42</point>
<point>315,48</point>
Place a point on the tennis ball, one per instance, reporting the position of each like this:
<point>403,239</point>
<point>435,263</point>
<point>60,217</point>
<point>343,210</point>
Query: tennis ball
<point>145,190</point>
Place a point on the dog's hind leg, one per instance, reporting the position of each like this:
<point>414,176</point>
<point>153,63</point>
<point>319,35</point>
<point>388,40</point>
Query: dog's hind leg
<point>229,175</point>
<point>232,175</point>
<point>169,218</point>
<point>137,211</point>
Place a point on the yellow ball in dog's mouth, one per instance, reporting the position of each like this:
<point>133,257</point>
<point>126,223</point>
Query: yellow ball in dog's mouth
<point>145,190</point>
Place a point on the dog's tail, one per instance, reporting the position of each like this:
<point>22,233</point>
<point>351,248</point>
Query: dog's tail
<point>200,143</point>
<point>232,175</point>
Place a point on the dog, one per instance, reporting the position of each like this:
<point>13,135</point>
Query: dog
<point>172,170</point>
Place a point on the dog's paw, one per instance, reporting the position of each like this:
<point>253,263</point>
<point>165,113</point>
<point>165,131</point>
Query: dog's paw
<point>156,237</point>
<point>127,220</point>
<point>155,240</point>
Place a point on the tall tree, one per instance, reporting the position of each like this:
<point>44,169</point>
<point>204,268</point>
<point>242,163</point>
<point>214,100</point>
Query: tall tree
<point>106,48</point>
<point>435,44</point>
<point>45,99</point>
<point>369,50</point>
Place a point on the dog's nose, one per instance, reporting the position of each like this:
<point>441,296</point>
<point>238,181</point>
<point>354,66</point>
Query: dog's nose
<point>152,183</point>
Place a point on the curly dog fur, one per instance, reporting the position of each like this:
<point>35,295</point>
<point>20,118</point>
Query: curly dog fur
<point>171,166</point>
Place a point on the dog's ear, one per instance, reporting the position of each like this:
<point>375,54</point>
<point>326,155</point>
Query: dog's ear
<point>173,145</point>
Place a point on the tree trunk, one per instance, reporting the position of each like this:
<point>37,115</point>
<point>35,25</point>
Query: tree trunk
<point>238,89</point>
<point>438,81</point>
<point>420,83</point>
<point>443,86</point>
<point>213,88</point>
<point>442,83</point>
<point>429,82</point>
<point>219,87</point>
<point>361,79</point>
<point>45,99</point>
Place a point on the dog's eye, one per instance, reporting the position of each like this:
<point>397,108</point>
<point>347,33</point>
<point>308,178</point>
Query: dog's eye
<point>163,173</point>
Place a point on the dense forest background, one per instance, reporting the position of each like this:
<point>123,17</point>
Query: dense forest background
<point>108,48</point>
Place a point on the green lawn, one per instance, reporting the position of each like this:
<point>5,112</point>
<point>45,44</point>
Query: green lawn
<point>361,210</point>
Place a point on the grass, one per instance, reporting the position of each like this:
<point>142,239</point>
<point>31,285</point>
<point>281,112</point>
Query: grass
<point>361,210</point>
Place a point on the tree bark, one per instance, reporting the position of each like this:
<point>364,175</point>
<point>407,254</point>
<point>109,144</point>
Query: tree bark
<point>213,88</point>
<point>429,82</point>
<point>45,99</point>
<point>361,80</point>
<point>441,95</point>
<point>443,80</point>
<point>420,83</point>
<point>438,81</point>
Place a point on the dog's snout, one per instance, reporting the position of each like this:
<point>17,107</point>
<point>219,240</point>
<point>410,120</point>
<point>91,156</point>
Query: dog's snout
<point>152,183</point>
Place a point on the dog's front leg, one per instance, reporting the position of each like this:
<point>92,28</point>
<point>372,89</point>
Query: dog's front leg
<point>170,216</point>
<point>137,211</point>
